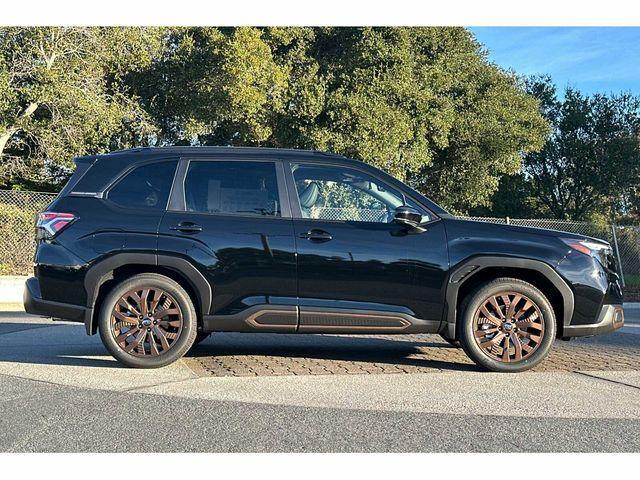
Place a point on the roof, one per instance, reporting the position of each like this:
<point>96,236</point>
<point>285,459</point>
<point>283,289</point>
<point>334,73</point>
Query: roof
<point>213,151</point>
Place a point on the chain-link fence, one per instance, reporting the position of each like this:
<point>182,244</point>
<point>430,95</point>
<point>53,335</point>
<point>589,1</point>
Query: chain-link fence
<point>360,214</point>
<point>18,209</point>
<point>17,240</point>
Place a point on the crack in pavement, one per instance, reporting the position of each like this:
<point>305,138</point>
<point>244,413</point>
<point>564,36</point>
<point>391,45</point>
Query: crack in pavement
<point>140,389</point>
<point>136,389</point>
<point>590,375</point>
<point>47,382</point>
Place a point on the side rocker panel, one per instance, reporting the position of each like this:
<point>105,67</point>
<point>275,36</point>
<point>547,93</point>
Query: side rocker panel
<point>284,319</point>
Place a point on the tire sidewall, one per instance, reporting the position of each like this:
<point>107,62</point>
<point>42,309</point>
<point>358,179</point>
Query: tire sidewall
<point>477,298</point>
<point>189,321</point>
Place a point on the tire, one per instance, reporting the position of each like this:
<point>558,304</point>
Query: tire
<point>159,340</point>
<point>488,325</point>
<point>452,341</point>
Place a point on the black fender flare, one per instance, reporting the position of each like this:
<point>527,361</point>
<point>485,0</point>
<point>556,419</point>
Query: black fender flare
<point>103,271</point>
<point>468,268</point>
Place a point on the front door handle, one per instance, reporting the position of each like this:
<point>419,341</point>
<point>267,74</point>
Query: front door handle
<point>316,235</point>
<point>187,227</point>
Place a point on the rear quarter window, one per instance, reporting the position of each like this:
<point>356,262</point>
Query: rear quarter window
<point>146,186</point>
<point>81,169</point>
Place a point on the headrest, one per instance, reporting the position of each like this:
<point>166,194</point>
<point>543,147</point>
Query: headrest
<point>309,195</point>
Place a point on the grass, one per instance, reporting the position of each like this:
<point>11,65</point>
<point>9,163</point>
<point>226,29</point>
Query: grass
<point>632,280</point>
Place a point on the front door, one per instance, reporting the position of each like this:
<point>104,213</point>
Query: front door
<point>353,260</point>
<point>231,219</point>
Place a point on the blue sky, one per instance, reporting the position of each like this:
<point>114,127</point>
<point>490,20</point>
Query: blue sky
<point>592,59</point>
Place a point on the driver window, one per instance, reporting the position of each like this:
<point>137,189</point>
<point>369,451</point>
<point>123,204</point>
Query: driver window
<point>147,186</point>
<point>328,192</point>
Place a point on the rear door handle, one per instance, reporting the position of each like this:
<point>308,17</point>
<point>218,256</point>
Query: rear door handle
<point>187,227</point>
<point>316,235</point>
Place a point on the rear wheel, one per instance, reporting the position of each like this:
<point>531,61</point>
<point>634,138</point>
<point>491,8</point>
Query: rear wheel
<point>147,321</point>
<point>508,325</point>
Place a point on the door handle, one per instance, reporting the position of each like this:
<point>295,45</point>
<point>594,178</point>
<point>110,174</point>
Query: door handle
<point>316,235</point>
<point>187,227</point>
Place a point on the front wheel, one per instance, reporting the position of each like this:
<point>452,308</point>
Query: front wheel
<point>508,325</point>
<point>147,321</point>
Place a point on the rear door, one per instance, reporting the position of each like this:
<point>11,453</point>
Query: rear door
<point>231,219</point>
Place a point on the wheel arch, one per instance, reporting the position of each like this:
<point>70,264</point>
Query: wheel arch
<point>473,272</point>
<point>101,277</point>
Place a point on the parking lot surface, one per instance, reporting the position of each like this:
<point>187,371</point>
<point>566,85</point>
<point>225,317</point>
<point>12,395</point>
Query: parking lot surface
<point>232,354</point>
<point>60,391</point>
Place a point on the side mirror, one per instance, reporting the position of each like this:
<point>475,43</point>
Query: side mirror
<point>407,216</point>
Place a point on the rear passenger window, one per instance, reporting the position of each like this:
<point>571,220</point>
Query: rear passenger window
<point>247,188</point>
<point>147,186</point>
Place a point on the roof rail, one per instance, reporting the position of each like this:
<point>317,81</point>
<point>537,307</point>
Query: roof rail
<point>129,150</point>
<point>219,147</point>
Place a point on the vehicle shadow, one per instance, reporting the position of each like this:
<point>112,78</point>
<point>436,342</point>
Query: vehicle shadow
<point>66,344</point>
<point>401,351</point>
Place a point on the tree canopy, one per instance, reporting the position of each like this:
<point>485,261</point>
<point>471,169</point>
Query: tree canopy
<point>61,96</point>
<point>590,165</point>
<point>424,104</point>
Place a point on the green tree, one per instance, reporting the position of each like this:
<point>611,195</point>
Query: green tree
<point>512,199</point>
<point>213,86</point>
<point>61,95</point>
<point>590,165</point>
<point>424,104</point>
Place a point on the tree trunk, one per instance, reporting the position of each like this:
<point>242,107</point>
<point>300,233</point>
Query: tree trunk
<point>6,135</point>
<point>4,138</point>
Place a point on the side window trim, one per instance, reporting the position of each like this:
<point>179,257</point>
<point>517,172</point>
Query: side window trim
<point>283,194</point>
<point>177,199</point>
<point>295,201</point>
<point>178,203</point>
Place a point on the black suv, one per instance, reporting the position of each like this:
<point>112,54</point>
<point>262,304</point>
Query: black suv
<point>157,248</point>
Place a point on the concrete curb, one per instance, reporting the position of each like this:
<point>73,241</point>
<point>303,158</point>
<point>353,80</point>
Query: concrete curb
<point>11,289</point>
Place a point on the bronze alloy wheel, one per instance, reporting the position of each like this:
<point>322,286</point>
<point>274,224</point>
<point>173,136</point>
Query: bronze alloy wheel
<point>508,327</point>
<point>146,322</point>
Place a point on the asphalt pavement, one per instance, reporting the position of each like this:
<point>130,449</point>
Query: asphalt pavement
<point>60,391</point>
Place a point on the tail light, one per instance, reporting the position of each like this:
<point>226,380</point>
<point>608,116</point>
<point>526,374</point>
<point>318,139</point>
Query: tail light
<point>49,224</point>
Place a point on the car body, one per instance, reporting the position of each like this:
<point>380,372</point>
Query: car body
<point>291,241</point>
